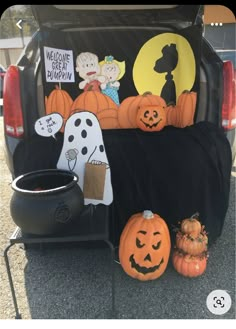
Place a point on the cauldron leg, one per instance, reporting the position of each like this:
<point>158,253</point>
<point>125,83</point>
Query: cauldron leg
<point>18,316</point>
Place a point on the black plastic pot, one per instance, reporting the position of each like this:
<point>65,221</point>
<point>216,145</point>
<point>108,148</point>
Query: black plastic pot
<point>46,202</point>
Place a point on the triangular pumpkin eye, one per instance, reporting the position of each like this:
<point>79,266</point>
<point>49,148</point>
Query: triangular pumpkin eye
<point>139,244</point>
<point>157,246</point>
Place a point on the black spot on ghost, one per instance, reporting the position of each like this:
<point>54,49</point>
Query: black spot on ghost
<point>89,122</point>
<point>101,148</point>
<point>71,138</point>
<point>84,133</point>
<point>77,122</point>
<point>84,150</point>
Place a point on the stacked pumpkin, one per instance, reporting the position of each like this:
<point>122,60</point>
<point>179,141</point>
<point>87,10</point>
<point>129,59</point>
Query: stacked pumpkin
<point>190,253</point>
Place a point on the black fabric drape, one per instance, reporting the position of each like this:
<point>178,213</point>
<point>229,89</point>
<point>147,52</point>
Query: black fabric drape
<point>175,173</point>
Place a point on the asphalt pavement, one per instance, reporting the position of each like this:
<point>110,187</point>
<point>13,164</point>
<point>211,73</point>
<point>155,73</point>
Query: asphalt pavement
<point>74,281</point>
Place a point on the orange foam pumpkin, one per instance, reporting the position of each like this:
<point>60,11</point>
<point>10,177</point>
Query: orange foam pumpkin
<point>93,101</point>
<point>129,107</point>
<point>151,118</point>
<point>59,101</point>
<point>188,265</point>
<point>191,226</point>
<point>190,245</point>
<point>144,247</point>
<point>108,119</point>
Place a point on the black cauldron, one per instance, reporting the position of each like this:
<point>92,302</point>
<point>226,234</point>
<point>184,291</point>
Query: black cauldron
<point>46,202</point>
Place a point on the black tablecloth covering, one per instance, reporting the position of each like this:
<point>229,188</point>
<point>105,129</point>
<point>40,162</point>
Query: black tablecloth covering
<point>174,173</point>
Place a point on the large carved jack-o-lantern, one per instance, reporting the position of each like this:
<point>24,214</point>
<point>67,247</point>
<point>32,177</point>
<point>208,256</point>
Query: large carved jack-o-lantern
<point>151,118</point>
<point>144,247</point>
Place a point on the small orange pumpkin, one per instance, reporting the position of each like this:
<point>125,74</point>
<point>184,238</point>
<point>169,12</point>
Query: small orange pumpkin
<point>144,247</point>
<point>151,118</point>
<point>108,119</point>
<point>129,107</point>
<point>93,101</point>
<point>188,265</point>
<point>59,101</point>
<point>191,226</point>
<point>190,245</point>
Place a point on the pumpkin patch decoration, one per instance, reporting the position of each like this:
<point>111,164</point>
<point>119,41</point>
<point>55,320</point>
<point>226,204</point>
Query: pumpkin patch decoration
<point>151,118</point>
<point>59,101</point>
<point>144,247</point>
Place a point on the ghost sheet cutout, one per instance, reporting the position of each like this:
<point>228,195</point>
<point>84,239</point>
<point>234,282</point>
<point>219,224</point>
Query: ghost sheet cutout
<point>83,142</point>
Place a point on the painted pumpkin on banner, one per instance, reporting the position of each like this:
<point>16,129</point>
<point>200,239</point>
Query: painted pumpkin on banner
<point>59,101</point>
<point>187,102</point>
<point>108,119</point>
<point>128,108</point>
<point>151,118</point>
<point>93,101</point>
<point>144,247</point>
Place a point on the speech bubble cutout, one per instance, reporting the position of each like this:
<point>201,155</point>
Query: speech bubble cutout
<point>49,125</point>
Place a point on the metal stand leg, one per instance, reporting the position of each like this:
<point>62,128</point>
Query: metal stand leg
<point>113,311</point>
<point>18,316</point>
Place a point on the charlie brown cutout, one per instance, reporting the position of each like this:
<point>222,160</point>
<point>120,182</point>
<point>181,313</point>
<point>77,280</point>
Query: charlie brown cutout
<point>89,69</point>
<point>83,144</point>
<point>113,71</point>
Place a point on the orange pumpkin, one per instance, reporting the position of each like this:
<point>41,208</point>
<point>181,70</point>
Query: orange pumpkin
<point>191,226</point>
<point>151,118</point>
<point>188,265</point>
<point>171,115</point>
<point>93,101</point>
<point>144,247</point>
<point>108,119</point>
<point>190,245</point>
<point>59,101</point>
<point>187,103</point>
<point>129,107</point>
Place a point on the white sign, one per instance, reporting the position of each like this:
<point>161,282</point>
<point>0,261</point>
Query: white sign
<point>59,65</point>
<point>49,125</point>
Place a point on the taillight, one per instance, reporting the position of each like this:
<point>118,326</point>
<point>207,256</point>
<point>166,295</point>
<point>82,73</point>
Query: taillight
<point>13,117</point>
<point>229,105</point>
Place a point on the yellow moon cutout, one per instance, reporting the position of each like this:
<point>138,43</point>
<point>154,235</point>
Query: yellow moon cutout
<point>144,76</point>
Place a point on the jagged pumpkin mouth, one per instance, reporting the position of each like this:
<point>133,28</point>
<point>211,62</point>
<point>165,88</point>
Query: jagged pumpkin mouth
<point>150,125</point>
<point>144,269</point>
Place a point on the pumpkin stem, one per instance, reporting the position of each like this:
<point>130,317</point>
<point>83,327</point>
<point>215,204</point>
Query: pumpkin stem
<point>90,88</point>
<point>146,93</point>
<point>148,214</point>
<point>195,216</point>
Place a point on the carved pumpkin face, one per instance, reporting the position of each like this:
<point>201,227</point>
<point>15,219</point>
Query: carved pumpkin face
<point>151,118</point>
<point>145,246</point>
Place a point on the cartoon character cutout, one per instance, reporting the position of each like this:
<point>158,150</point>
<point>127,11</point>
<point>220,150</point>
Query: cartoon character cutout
<point>89,69</point>
<point>113,71</point>
<point>83,143</point>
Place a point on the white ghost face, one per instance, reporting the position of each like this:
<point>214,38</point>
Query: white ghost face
<point>83,142</point>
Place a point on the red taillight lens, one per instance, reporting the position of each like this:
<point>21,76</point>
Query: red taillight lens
<point>229,105</point>
<point>13,117</point>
